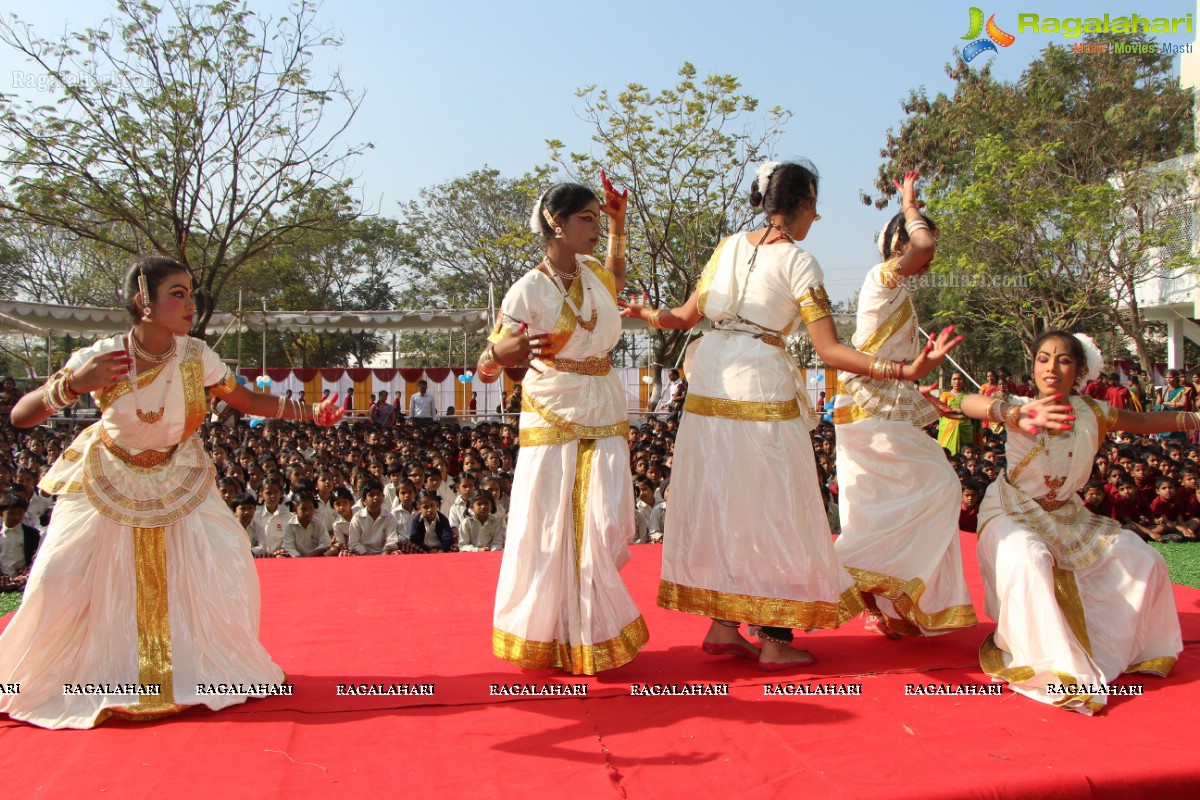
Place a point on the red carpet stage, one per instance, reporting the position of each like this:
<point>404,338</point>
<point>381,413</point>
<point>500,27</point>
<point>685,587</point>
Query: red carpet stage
<point>427,620</point>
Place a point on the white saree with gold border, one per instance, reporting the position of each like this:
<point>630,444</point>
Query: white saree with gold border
<point>144,579</point>
<point>898,498</point>
<point>746,536</point>
<point>1077,600</point>
<point>560,601</point>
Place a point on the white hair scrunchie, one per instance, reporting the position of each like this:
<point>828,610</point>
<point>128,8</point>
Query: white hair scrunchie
<point>1094,358</point>
<point>763,175</point>
<point>535,219</point>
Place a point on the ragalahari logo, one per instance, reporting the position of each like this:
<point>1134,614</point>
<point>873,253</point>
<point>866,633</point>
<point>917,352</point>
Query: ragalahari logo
<point>994,35</point>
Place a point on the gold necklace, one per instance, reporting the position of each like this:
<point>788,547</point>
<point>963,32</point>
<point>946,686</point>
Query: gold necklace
<point>140,351</point>
<point>149,417</point>
<point>590,324</point>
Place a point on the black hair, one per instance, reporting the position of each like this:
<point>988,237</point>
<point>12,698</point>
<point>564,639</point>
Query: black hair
<point>973,485</point>
<point>156,269</point>
<point>12,500</point>
<point>243,499</point>
<point>1158,484</point>
<point>340,493</point>
<point>232,481</point>
<point>561,201</point>
<point>1097,485</point>
<point>369,485</point>
<point>791,185</point>
<point>426,494</point>
<point>896,234</point>
<point>482,495</point>
<point>1074,348</point>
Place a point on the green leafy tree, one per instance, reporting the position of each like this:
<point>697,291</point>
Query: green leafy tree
<point>356,265</point>
<point>683,153</point>
<point>470,242</point>
<point>197,131</point>
<point>471,235</point>
<point>1036,187</point>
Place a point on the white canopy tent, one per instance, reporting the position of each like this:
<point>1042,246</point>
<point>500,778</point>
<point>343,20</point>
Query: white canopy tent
<point>43,319</point>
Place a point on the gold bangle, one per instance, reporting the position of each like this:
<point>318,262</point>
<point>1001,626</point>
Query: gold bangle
<point>488,366</point>
<point>1012,417</point>
<point>617,244</point>
<point>654,319</point>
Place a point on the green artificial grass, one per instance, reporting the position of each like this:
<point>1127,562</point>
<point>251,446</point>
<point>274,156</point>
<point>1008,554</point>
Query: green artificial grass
<point>1183,559</point>
<point>9,602</point>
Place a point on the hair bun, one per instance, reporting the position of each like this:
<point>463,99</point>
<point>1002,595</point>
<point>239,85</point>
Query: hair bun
<point>756,198</point>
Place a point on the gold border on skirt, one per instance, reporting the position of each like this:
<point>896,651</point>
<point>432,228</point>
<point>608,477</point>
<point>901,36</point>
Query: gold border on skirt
<point>1160,666</point>
<point>585,659</point>
<point>906,597</point>
<point>991,660</point>
<point>769,611</point>
<point>153,629</point>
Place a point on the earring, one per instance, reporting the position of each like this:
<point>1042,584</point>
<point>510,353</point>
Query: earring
<point>146,314</point>
<point>558,233</point>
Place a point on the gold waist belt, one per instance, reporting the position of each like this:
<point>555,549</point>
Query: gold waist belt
<point>145,459</point>
<point>769,338</point>
<point>585,366</point>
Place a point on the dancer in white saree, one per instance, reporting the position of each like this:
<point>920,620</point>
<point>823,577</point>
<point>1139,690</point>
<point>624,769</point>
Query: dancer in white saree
<point>747,538</point>
<point>899,496</point>
<point>143,592</point>
<point>1077,600</point>
<point>560,601</point>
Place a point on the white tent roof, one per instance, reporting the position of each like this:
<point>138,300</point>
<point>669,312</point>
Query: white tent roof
<point>43,319</point>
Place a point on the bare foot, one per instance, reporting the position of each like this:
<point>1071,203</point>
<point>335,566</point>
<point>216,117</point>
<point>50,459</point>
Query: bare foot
<point>777,656</point>
<point>875,623</point>
<point>728,640</point>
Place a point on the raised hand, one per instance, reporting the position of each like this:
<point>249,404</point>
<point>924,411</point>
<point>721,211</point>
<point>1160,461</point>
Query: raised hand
<point>328,412</point>
<point>633,310</point>
<point>101,371</point>
<point>1045,413</point>
<point>614,203</point>
<point>908,189</point>
<point>933,354</point>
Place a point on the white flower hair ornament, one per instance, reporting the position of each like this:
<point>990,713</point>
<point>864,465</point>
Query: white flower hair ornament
<point>535,218</point>
<point>763,175</point>
<point>879,241</point>
<point>1094,359</point>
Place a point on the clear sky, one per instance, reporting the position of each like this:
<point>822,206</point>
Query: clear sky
<point>451,87</point>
